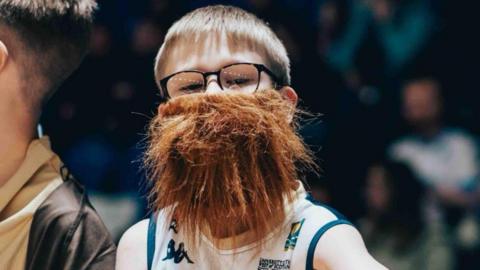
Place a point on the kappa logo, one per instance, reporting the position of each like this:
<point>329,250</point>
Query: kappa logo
<point>176,254</point>
<point>293,235</point>
<point>173,226</point>
<point>270,264</point>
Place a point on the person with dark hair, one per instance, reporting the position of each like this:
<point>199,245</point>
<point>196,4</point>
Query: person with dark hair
<point>394,228</point>
<point>445,159</point>
<point>46,220</point>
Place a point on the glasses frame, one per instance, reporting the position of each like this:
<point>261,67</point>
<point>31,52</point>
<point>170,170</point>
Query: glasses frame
<point>259,67</point>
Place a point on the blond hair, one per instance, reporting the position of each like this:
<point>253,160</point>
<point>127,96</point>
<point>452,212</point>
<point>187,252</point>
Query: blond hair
<point>242,29</point>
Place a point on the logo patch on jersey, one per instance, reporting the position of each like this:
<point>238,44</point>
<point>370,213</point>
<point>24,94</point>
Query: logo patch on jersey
<point>270,264</point>
<point>293,235</point>
<point>173,226</point>
<point>176,254</point>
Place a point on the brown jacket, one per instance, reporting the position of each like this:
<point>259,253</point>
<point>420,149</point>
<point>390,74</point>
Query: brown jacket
<point>66,232</point>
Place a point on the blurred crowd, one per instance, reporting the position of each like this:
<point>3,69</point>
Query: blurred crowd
<point>393,84</point>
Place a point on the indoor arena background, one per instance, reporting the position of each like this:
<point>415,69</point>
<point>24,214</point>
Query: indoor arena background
<point>352,61</point>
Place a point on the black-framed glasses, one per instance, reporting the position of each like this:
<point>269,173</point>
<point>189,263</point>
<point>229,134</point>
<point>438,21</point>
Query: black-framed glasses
<point>244,77</point>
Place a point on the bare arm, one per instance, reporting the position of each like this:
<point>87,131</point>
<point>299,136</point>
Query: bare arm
<point>132,249</point>
<point>342,248</point>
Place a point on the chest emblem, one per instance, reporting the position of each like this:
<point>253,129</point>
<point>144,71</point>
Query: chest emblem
<point>293,235</point>
<point>176,254</point>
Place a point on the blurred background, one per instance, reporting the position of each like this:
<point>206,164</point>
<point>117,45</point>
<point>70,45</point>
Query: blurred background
<point>394,80</point>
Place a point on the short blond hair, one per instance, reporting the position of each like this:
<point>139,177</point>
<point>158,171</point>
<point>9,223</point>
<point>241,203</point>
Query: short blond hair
<point>242,30</point>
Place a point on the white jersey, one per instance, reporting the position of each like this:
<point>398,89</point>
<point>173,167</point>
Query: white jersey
<point>290,247</point>
<point>449,159</point>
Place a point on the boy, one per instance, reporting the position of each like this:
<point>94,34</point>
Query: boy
<point>224,165</point>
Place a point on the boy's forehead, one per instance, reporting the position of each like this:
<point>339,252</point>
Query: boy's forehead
<point>209,55</point>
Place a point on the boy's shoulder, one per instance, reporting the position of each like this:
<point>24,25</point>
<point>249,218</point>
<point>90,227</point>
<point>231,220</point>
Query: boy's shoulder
<point>132,249</point>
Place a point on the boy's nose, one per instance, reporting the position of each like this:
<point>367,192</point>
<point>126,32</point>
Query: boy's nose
<point>213,86</point>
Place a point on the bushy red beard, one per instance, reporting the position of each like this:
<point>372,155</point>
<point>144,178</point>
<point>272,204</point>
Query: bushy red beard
<point>225,159</point>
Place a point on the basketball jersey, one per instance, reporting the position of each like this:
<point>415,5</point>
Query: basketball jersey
<point>291,246</point>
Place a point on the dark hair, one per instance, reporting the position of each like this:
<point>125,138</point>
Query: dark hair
<point>404,216</point>
<point>406,194</point>
<point>49,38</point>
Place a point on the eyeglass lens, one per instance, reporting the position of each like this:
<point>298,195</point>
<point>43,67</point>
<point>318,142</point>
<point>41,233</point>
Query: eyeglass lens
<point>239,77</point>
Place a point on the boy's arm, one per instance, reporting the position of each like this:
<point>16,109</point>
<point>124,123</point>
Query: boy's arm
<point>132,249</point>
<point>342,247</point>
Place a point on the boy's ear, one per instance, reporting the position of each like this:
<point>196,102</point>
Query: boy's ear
<point>3,55</point>
<point>289,94</point>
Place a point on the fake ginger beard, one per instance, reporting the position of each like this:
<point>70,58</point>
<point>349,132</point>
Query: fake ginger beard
<point>225,159</point>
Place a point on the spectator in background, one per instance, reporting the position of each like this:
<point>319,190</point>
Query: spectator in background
<point>445,159</point>
<point>394,228</point>
<point>356,40</point>
<point>399,29</point>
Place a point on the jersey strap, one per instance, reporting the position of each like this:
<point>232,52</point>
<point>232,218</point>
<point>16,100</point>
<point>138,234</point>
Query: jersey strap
<point>152,228</point>
<point>313,244</point>
<point>316,238</point>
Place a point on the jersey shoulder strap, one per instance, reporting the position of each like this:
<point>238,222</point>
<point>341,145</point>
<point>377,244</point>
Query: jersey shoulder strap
<point>152,229</point>
<point>339,220</point>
